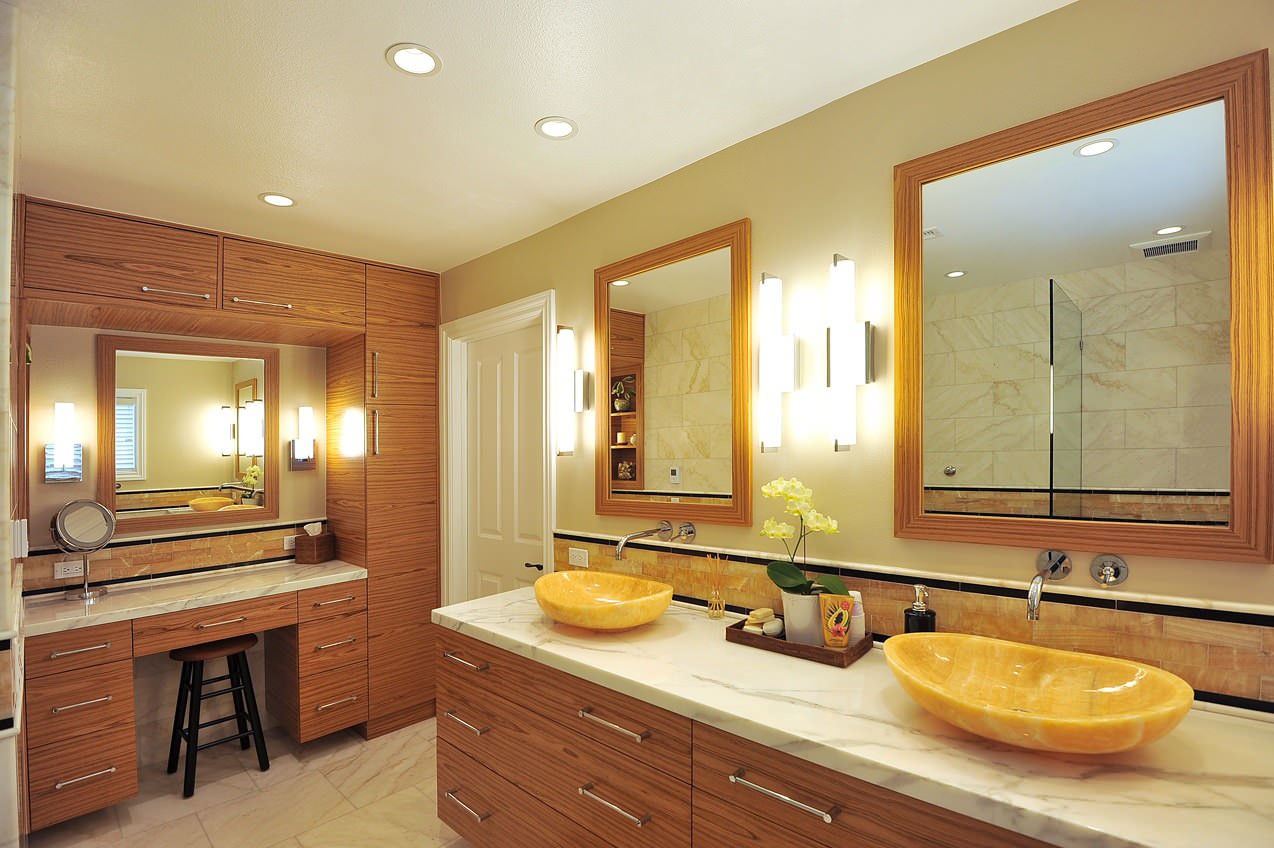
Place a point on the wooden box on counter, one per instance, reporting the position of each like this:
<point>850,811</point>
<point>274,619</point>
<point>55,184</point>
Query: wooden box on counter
<point>314,549</point>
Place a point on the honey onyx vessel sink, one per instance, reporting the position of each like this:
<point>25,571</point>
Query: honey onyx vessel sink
<point>1039,698</point>
<point>600,601</point>
<point>210,503</point>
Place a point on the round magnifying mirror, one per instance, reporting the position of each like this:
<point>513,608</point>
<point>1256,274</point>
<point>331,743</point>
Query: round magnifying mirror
<point>82,527</point>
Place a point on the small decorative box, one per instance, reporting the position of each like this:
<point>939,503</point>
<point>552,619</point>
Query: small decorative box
<point>312,549</point>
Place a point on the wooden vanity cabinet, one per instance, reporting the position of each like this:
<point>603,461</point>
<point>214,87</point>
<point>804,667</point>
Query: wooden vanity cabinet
<point>277,283</point>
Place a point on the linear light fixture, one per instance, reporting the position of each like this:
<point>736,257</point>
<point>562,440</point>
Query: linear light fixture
<point>64,457</point>
<point>571,387</point>
<point>303,447</point>
<point>849,353</point>
<point>777,353</point>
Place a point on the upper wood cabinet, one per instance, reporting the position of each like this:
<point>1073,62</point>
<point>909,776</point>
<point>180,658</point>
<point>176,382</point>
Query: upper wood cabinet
<point>274,282</point>
<point>89,253</point>
<point>402,336</point>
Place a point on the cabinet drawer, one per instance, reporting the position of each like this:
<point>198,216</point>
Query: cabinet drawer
<point>720,824</point>
<point>647,733</point>
<point>490,812</point>
<point>69,250</point>
<point>327,601</point>
<point>79,703</point>
<point>861,813</point>
<point>71,778</point>
<point>79,648</point>
<point>629,803</point>
<point>170,630</point>
<point>333,700</point>
<point>332,642</point>
<point>282,283</point>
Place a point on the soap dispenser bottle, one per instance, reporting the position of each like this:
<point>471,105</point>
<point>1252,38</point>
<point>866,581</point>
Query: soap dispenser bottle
<point>920,619</point>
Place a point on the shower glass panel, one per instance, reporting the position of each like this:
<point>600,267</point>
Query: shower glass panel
<point>1066,403</point>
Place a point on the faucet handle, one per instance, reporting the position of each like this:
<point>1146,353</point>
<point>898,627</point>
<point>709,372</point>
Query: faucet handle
<point>1054,565</point>
<point>685,532</point>
<point>665,533</point>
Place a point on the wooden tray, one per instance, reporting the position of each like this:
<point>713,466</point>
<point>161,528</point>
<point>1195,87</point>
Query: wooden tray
<point>841,657</point>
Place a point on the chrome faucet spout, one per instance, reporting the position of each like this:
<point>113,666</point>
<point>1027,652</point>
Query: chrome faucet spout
<point>1033,597</point>
<point>663,531</point>
<point>1049,565</point>
<point>250,491</point>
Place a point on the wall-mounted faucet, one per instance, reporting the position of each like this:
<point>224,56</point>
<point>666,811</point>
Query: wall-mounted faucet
<point>1049,565</point>
<point>249,491</point>
<point>663,531</point>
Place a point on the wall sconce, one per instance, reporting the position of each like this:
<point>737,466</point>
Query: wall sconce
<point>252,428</point>
<point>849,353</point>
<point>353,440</point>
<point>225,429</point>
<point>302,448</point>
<point>572,390</point>
<point>64,457</point>
<point>777,369</point>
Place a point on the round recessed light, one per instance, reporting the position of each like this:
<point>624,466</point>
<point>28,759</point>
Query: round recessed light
<point>415,59</point>
<point>556,127</point>
<point>954,274</point>
<point>1168,231</point>
<point>1096,148</point>
<point>276,199</point>
<point>619,283</point>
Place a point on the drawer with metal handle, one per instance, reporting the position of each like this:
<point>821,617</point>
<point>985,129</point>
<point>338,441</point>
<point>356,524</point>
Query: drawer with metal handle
<point>327,601</point>
<point>332,700</point>
<point>82,647</point>
<point>332,642</point>
<point>159,633</point>
<point>79,703</point>
<point>73,777</point>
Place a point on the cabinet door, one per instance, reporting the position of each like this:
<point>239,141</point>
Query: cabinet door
<point>267,281</point>
<point>89,253</point>
<point>402,336</point>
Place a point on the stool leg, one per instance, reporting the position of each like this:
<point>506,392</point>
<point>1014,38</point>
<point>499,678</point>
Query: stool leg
<point>174,748</point>
<point>240,713</point>
<point>263,758</point>
<point>192,730</point>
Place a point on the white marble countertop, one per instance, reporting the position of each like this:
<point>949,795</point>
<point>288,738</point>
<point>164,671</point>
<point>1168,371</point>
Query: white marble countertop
<point>125,601</point>
<point>1209,782</point>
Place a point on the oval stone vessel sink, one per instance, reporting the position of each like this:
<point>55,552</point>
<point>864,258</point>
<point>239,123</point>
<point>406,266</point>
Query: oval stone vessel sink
<point>210,503</point>
<point>601,601</point>
<point>1036,697</point>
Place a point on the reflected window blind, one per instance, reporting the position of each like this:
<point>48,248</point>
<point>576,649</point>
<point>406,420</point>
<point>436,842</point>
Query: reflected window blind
<point>130,414</point>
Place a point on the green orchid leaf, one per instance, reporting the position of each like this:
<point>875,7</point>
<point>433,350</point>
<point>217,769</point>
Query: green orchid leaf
<point>832,583</point>
<point>789,578</point>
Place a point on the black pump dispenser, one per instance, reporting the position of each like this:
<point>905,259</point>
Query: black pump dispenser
<point>919,618</point>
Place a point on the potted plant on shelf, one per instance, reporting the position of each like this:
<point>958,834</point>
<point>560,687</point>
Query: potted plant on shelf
<point>801,621</point>
<point>622,392</point>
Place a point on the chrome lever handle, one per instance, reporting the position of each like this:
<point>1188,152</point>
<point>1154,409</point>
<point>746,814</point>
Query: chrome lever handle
<point>59,654</point>
<point>205,625</point>
<point>62,784</point>
<point>375,374</point>
<point>587,713</point>
<point>344,600</point>
<point>451,655</point>
<point>261,303</point>
<point>587,791</point>
<point>199,295</point>
<point>346,700</point>
<point>348,641</point>
<point>480,817</point>
<point>102,700</point>
<point>478,731</point>
<point>827,816</point>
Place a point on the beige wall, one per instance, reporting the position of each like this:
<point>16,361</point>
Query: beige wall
<point>822,184</point>
<point>62,369</point>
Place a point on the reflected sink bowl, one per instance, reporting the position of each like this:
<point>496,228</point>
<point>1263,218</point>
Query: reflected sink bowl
<point>210,504</point>
<point>601,601</point>
<point>1038,698</point>
<point>238,506</point>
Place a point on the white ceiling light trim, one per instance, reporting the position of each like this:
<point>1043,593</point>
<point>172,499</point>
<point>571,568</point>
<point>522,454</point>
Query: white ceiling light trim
<point>556,127</point>
<point>415,59</point>
<point>1169,231</point>
<point>1097,148</point>
<point>275,199</point>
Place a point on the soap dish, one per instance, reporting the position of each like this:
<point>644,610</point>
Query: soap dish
<point>841,657</point>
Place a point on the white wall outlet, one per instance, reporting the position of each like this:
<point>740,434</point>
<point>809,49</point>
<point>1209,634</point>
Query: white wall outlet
<point>68,568</point>
<point>577,557</point>
<point>289,543</point>
<point>674,476</point>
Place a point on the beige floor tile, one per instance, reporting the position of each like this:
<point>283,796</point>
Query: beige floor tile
<point>385,767</point>
<point>159,800</point>
<point>185,832</point>
<point>289,760</point>
<point>274,814</point>
<point>90,831</point>
<point>403,819</point>
<point>287,843</point>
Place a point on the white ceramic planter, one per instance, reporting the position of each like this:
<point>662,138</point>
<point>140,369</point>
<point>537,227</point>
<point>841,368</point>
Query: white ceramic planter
<point>801,619</point>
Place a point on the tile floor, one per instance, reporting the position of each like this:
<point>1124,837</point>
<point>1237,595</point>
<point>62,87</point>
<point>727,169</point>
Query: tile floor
<point>337,792</point>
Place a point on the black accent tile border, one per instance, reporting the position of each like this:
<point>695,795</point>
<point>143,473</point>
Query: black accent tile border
<point>140,578</point>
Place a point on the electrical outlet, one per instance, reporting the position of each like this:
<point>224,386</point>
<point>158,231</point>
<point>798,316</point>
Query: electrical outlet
<point>68,568</point>
<point>674,476</point>
<point>577,557</point>
<point>289,543</point>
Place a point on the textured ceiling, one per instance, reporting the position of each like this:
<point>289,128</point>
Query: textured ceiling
<point>186,110</point>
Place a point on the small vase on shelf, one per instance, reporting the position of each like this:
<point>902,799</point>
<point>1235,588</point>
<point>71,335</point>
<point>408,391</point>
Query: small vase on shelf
<point>802,619</point>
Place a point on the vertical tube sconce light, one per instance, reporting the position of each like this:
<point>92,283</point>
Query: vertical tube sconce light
<point>849,360</point>
<point>226,431</point>
<point>64,457</point>
<point>252,428</point>
<point>571,390</point>
<point>303,446</point>
<point>777,366</point>
<point>353,439</point>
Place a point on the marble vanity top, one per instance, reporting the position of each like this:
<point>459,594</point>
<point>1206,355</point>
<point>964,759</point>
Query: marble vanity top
<point>1209,782</point>
<point>52,613</point>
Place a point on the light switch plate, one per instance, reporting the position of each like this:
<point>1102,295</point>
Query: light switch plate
<point>577,557</point>
<point>289,543</point>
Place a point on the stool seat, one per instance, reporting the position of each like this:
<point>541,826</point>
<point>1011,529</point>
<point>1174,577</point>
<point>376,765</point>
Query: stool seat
<point>214,650</point>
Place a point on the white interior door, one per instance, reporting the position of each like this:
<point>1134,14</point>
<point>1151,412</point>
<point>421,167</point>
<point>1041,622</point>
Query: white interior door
<point>505,462</point>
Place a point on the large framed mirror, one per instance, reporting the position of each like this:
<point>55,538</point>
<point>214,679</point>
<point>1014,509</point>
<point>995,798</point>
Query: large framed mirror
<point>674,379</point>
<point>1083,321</point>
<point>188,432</point>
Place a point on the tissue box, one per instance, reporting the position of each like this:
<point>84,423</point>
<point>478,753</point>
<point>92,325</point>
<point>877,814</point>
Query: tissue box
<point>312,549</point>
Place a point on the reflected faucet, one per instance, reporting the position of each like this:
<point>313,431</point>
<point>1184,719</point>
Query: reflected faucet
<point>663,531</point>
<point>1049,565</point>
<point>250,491</point>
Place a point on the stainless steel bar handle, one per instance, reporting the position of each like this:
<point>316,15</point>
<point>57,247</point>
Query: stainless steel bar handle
<point>587,713</point>
<point>102,700</point>
<point>375,373</point>
<point>261,303</point>
<point>351,640</point>
<point>827,817</point>
<point>375,432</point>
<point>59,654</point>
<point>205,625</point>
<point>62,784</point>
<point>587,791</point>
<point>201,296</point>
<point>337,703</point>
<point>344,600</point>
<point>451,655</point>
<point>451,714</point>
<point>451,795</point>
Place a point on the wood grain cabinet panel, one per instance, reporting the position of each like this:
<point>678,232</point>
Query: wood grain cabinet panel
<point>159,633</point>
<point>265,279</point>
<point>402,336</point>
<point>401,299</point>
<point>327,601</point>
<point>79,703</point>
<point>82,647</point>
<point>72,777</point>
<point>99,255</point>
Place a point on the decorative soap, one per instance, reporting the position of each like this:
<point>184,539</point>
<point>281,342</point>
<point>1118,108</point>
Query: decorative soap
<point>773,627</point>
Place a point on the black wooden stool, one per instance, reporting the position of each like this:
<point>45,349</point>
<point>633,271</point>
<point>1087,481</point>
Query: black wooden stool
<point>191,694</point>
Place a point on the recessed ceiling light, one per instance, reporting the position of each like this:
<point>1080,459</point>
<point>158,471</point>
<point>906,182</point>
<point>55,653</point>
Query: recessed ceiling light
<point>415,59</point>
<point>619,283</point>
<point>954,274</point>
<point>1096,148</point>
<point>275,199</point>
<point>1168,231</point>
<point>556,128</point>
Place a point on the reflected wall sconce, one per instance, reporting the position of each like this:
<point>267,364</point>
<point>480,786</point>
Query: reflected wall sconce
<point>64,457</point>
<point>302,449</point>
<point>849,353</point>
<point>571,385</point>
<point>252,428</point>
<point>226,429</point>
<point>777,367</point>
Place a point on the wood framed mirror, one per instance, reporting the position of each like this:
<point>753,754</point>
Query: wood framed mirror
<point>1102,378</point>
<point>674,380</point>
<point>179,421</point>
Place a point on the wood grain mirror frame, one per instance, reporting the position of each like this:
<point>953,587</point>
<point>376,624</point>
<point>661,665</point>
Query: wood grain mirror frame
<point>1243,83</point>
<point>107,347</point>
<point>737,236</point>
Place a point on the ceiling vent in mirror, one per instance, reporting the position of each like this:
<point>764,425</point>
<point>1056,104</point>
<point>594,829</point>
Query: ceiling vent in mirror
<point>931,233</point>
<point>1184,243</point>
